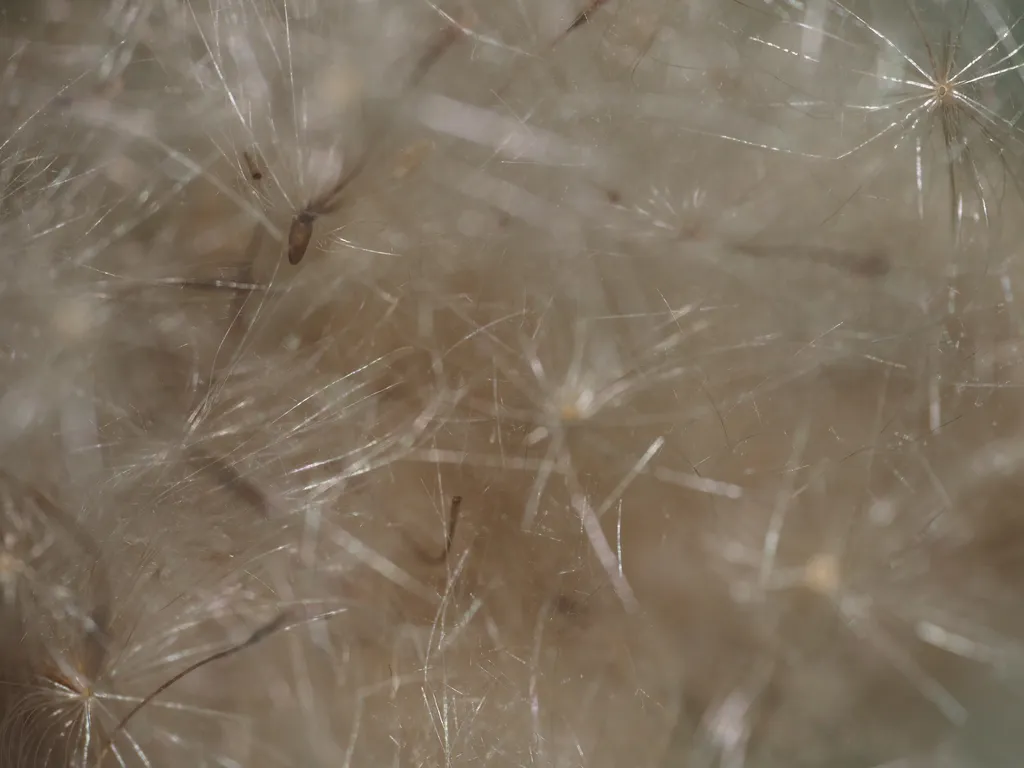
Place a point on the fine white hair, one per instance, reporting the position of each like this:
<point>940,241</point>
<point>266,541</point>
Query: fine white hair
<point>506,383</point>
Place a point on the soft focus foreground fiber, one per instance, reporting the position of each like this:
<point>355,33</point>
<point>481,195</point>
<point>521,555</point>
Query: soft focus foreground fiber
<point>511,383</point>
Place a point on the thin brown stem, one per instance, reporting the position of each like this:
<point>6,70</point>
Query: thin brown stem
<point>256,637</point>
<point>453,519</point>
<point>582,18</point>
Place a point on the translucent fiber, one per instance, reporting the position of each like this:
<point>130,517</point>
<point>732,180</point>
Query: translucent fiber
<point>505,383</point>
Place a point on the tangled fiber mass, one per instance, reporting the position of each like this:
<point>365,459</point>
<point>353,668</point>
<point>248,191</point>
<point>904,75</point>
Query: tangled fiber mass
<point>503,383</point>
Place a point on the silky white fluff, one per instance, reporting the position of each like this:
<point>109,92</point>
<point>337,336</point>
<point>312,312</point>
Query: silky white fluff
<point>705,311</point>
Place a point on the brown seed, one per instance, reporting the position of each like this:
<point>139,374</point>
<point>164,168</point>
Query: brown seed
<point>252,166</point>
<point>301,231</point>
<point>299,235</point>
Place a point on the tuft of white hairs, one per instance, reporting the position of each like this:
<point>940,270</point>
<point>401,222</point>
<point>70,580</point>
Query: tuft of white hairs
<point>521,383</point>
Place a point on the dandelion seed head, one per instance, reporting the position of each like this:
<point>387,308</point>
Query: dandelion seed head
<point>577,384</point>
